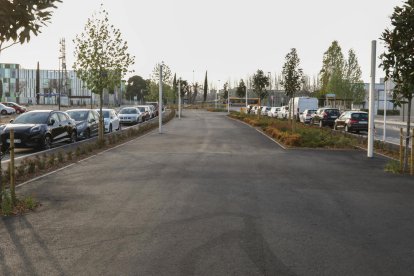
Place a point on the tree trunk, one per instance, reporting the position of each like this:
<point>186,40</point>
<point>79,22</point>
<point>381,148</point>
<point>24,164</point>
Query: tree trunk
<point>101,119</point>
<point>407,139</point>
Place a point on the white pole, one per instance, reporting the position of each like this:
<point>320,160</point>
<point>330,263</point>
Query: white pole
<point>160,103</point>
<point>385,111</point>
<point>179,99</point>
<point>371,111</point>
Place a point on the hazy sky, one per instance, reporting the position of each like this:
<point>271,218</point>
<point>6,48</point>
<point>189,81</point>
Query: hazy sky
<point>231,39</point>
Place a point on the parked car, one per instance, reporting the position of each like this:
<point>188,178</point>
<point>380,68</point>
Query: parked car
<point>18,108</point>
<point>352,121</point>
<point>306,116</point>
<point>111,120</point>
<point>264,110</point>
<point>5,110</point>
<point>283,112</point>
<point>302,103</point>
<point>325,116</point>
<point>273,112</point>
<point>39,129</point>
<point>155,105</point>
<point>146,112</point>
<point>87,122</point>
<point>130,115</point>
<point>253,109</point>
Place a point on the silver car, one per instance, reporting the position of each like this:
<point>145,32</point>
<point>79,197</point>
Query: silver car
<point>130,115</point>
<point>111,120</point>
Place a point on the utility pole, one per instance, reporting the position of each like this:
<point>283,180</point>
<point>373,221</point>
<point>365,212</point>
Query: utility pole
<point>370,150</point>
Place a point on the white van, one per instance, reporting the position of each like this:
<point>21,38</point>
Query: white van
<point>302,103</point>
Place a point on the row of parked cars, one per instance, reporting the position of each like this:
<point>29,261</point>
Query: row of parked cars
<point>9,108</point>
<point>43,128</point>
<point>349,121</point>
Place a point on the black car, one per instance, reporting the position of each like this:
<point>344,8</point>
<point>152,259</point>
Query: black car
<point>325,116</point>
<point>352,121</point>
<point>87,122</point>
<point>39,129</point>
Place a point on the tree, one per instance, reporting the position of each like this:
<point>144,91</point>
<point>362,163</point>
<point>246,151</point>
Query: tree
<point>292,77</point>
<point>353,86</point>
<point>205,88</point>
<point>175,87</point>
<point>136,87</point>
<point>166,74</point>
<point>101,57</point>
<point>225,90</point>
<point>19,19</point>
<point>241,89</point>
<point>259,84</point>
<point>332,68</point>
<point>397,60</point>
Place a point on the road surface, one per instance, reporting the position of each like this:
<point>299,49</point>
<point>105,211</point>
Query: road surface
<point>212,196</point>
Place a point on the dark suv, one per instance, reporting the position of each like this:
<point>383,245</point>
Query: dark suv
<point>325,116</point>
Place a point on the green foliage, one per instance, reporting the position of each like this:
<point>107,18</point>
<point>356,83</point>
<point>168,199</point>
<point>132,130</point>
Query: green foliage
<point>397,61</point>
<point>6,204</point>
<point>259,84</point>
<point>292,75</point>
<point>51,159</point>
<point>29,202</point>
<point>341,77</point>
<point>393,166</point>
<point>19,19</point>
<point>136,86</point>
<point>241,89</point>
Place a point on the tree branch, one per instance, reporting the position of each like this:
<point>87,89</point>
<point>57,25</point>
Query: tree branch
<point>8,46</point>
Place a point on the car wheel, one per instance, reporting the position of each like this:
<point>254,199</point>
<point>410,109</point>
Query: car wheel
<point>73,137</point>
<point>4,112</point>
<point>47,142</point>
<point>320,124</point>
<point>110,128</point>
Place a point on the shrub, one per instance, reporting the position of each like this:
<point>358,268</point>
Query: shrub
<point>60,157</point>
<point>393,166</point>
<point>51,159</point>
<point>31,166</point>
<point>69,155</point>
<point>6,204</point>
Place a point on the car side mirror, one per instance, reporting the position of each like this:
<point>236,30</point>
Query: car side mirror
<point>52,122</point>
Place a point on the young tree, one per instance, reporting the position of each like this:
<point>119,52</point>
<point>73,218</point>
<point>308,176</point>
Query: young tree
<point>353,86</point>
<point>397,60</point>
<point>225,90</point>
<point>241,89</point>
<point>101,57</point>
<point>259,83</point>
<point>205,88</point>
<point>292,77</point>
<point>19,19</point>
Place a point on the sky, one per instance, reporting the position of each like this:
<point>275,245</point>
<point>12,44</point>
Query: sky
<point>231,39</point>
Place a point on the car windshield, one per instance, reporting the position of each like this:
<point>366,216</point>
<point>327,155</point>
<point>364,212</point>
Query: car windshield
<point>142,109</point>
<point>78,115</point>
<point>128,111</point>
<point>332,111</point>
<point>32,118</point>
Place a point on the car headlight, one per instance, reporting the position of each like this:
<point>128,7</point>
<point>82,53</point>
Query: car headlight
<point>35,129</point>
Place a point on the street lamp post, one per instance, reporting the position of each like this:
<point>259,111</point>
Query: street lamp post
<point>160,102</point>
<point>179,98</point>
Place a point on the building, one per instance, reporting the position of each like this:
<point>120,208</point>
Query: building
<point>19,85</point>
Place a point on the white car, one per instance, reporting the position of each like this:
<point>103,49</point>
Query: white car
<point>264,110</point>
<point>111,120</point>
<point>5,110</point>
<point>283,112</point>
<point>306,116</point>
<point>273,112</point>
<point>130,115</point>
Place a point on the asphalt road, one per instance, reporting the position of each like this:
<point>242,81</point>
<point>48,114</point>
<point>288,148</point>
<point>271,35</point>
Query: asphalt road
<point>212,196</point>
